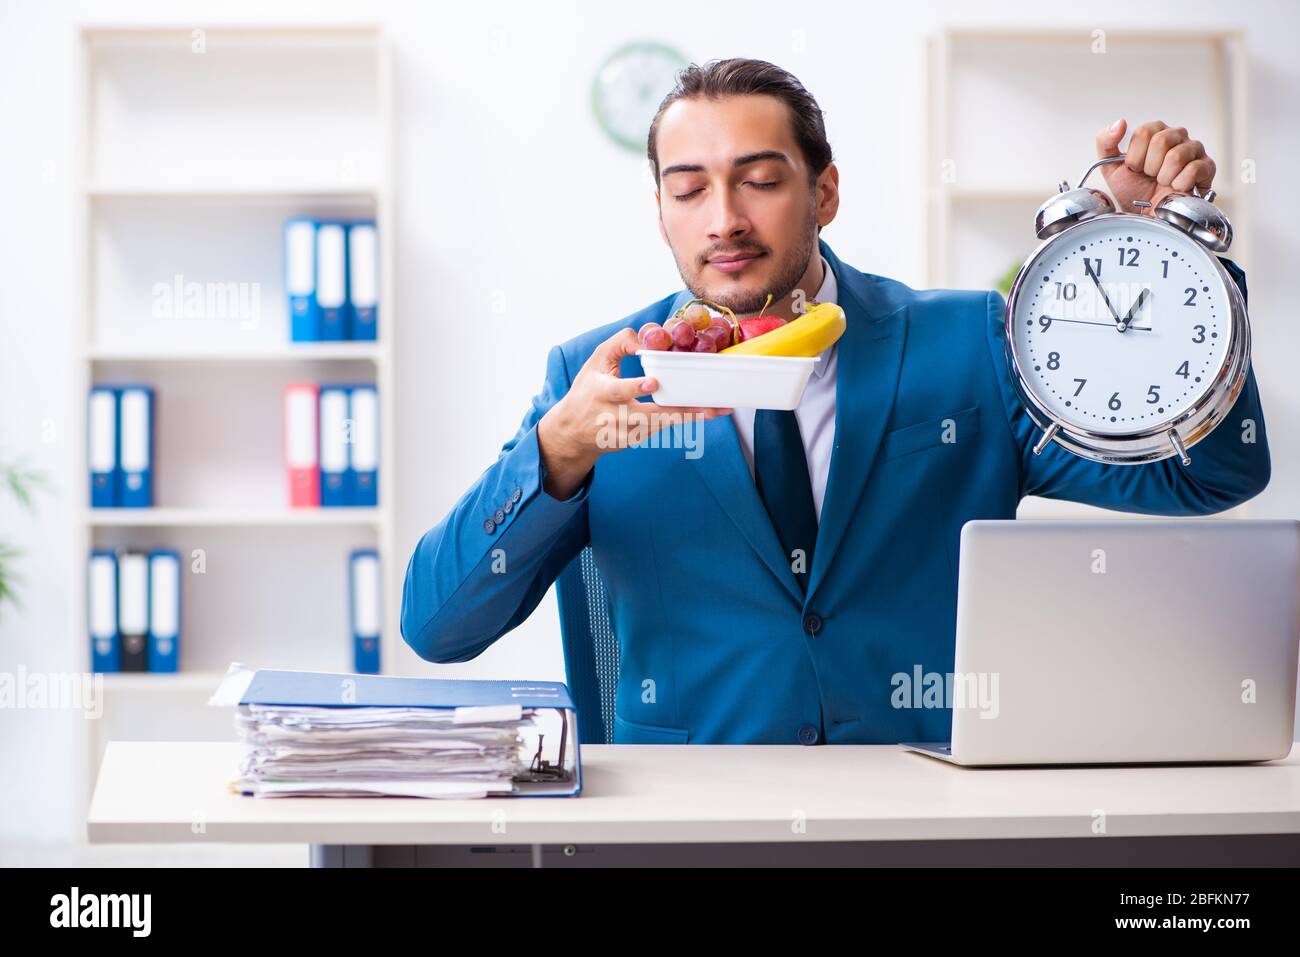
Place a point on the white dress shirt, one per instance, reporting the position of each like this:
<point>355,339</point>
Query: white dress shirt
<point>815,414</point>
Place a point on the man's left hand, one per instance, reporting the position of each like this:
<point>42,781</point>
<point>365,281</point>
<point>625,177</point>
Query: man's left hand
<point>1159,160</point>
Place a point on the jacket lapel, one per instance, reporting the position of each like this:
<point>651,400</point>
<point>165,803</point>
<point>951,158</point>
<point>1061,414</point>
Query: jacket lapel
<point>869,357</point>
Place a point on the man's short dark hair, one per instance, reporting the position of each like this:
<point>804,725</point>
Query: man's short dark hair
<point>738,76</point>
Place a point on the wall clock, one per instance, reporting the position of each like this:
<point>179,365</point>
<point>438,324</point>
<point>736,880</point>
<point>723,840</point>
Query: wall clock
<point>628,88</point>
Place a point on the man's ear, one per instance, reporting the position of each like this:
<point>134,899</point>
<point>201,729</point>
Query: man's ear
<point>828,195</point>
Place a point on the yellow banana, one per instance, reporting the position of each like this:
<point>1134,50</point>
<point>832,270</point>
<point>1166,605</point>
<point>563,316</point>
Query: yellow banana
<point>818,328</point>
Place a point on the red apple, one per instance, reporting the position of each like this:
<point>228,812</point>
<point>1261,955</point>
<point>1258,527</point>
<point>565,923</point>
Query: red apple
<point>755,327</point>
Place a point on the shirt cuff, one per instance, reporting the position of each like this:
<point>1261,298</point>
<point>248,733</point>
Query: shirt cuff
<point>573,499</point>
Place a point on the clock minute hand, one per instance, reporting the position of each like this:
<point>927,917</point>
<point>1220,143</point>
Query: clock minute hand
<point>1078,322</point>
<point>1104,298</point>
<point>1046,322</point>
<point>1142,297</point>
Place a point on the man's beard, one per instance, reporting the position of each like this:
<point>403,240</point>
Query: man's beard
<point>789,271</point>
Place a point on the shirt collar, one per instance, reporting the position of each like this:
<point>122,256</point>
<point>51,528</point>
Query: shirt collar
<point>829,292</point>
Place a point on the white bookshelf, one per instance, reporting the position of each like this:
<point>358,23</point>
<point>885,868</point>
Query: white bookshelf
<point>191,160</point>
<point>233,517</point>
<point>289,352</point>
<point>1013,113</point>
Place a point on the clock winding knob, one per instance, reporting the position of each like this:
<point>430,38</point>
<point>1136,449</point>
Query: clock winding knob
<point>1179,447</point>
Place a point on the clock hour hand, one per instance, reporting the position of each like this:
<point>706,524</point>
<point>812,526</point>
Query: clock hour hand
<point>1142,297</point>
<point>1104,298</point>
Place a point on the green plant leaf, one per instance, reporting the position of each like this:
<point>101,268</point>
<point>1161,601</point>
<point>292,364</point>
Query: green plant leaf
<point>8,578</point>
<point>1008,279</point>
<point>22,481</point>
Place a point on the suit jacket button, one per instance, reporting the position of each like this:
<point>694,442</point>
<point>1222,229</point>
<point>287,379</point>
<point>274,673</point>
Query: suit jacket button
<point>489,526</point>
<point>812,623</point>
<point>499,516</point>
<point>808,734</point>
<point>509,506</point>
<point>517,494</point>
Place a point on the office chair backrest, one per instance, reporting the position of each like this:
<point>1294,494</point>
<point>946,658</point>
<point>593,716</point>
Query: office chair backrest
<point>590,648</point>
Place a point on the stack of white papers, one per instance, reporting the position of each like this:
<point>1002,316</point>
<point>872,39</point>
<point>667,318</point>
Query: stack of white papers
<point>466,752</point>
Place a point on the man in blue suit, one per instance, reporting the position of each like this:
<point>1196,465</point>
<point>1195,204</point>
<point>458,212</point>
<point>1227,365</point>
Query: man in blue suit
<point>769,572</point>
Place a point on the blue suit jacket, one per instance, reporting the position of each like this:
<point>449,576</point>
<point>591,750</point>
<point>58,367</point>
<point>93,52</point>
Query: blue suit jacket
<point>709,617</point>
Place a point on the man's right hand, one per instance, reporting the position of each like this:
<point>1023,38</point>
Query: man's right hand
<point>570,434</point>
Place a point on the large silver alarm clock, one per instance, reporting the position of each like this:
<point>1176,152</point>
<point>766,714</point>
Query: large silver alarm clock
<point>1127,339</point>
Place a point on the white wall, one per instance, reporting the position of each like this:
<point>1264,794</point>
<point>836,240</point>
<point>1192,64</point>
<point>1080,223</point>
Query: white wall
<point>508,188</point>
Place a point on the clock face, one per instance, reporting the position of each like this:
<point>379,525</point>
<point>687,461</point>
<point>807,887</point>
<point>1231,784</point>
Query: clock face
<point>1121,323</point>
<point>629,87</point>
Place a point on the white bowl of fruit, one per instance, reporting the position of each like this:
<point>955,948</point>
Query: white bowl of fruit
<point>717,361</point>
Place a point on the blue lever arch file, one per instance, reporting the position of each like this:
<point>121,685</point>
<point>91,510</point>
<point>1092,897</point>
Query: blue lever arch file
<point>336,432</point>
<point>557,773</point>
<point>164,610</point>
<point>363,280</point>
<point>363,450</point>
<point>101,611</point>
<point>300,279</point>
<point>332,279</point>
<point>102,447</point>
<point>364,607</point>
<point>135,441</point>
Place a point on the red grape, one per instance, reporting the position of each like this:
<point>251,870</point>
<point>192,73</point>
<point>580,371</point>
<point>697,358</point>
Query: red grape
<point>720,329</point>
<point>653,336</point>
<point>698,316</point>
<point>683,335</point>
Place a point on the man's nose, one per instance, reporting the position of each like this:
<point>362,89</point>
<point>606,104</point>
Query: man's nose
<point>726,218</point>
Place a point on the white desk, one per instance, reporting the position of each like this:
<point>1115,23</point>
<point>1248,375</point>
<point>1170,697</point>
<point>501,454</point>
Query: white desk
<point>733,803</point>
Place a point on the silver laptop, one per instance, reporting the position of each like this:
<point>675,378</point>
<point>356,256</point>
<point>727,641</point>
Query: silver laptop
<point>1124,642</point>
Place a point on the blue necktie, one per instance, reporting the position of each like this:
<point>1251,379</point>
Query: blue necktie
<point>781,474</point>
